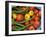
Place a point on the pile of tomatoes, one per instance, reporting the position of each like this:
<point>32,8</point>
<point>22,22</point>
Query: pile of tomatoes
<point>31,18</point>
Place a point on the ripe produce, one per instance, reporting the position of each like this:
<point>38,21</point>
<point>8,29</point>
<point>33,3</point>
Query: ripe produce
<point>26,18</point>
<point>14,16</point>
<point>35,11</point>
<point>19,17</point>
<point>39,13</point>
<point>36,18</point>
<point>36,24</point>
<point>31,13</point>
<point>32,8</point>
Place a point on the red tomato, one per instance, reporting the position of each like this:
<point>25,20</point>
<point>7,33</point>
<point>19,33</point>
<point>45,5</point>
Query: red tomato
<point>35,11</point>
<point>32,8</point>
<point>39,13</point>
<point>36,24</point>
<point>31,28</point>
<point>36,18</point>
<point>19,17</point>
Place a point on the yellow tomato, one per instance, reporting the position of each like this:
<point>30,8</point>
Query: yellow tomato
<point>14,16</point>
<point>31,13</point>
<point>27,16</point>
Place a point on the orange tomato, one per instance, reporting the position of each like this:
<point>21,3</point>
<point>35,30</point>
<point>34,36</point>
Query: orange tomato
<point>19,17</point>
<point>36,24</point>
<point>36,18</point>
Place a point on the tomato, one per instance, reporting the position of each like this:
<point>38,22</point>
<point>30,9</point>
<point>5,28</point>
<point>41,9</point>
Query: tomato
<point>32,8</point>
<point>39,13</point>
<point>19,17</point>
<point>26,23</point>
<point>31,13</point>
<point>35,11</point>
<point>31,28</point>
<point>36,18</point>
<point>36,24</point>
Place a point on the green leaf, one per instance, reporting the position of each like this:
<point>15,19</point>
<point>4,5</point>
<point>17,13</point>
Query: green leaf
<point>16,23</point>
